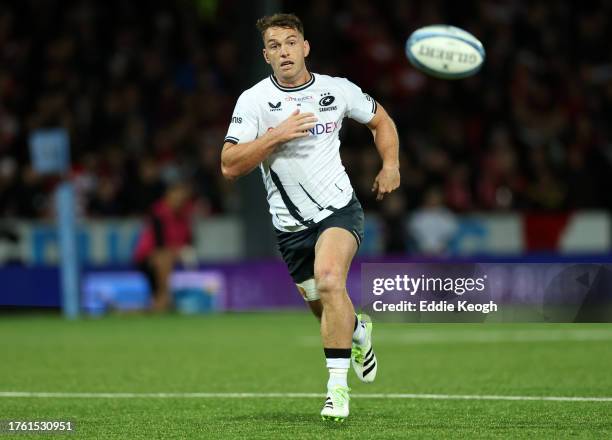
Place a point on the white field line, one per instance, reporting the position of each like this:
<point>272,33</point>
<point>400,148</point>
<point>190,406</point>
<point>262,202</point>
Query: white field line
<point>54,395</point>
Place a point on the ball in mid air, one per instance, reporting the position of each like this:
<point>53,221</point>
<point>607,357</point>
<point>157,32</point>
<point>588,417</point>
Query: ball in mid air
<point>446,52</point>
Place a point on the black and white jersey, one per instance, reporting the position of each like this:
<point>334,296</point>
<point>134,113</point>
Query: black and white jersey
<point>304,178</point>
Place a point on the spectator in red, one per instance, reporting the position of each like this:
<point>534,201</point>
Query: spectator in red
<point>165,240</point>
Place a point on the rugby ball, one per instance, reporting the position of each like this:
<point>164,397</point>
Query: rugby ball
<point>446,52</point>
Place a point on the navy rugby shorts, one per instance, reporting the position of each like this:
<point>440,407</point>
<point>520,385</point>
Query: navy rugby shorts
<point>298,248</point>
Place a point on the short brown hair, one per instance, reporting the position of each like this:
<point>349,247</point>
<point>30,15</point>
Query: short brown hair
<point>290,21</point>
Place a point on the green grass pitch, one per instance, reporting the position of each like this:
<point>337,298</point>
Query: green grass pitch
<point>279,352</point>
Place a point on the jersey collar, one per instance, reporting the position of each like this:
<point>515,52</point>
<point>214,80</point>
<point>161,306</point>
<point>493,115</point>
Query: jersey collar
<point>293,89</point>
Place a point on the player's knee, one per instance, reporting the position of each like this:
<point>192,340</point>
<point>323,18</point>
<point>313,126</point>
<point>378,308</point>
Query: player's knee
<point>329,282</point>
<point>308,290</point>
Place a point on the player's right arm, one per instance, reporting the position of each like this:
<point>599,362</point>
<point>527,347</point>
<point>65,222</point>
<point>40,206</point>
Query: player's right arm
<point>238,159</point>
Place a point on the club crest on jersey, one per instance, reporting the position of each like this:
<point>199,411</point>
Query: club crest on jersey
<point>275,107</point>
<point>326,101</point>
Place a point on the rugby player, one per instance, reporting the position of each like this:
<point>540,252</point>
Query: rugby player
<point>288,126</point>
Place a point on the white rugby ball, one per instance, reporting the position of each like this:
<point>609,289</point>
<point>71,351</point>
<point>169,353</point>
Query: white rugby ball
<point>446,52</point>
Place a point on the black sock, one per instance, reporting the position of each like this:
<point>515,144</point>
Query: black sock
<point>342,353</point>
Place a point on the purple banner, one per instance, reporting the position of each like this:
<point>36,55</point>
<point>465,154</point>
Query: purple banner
<point>529,291</point>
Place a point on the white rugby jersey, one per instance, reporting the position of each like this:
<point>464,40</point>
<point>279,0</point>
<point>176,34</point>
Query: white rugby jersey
<point>304,178</point>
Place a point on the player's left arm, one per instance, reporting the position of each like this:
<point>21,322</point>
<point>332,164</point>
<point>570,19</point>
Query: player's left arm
<point>387,143</point>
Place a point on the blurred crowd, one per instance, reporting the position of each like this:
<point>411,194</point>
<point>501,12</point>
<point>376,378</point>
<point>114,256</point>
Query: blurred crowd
<point>147,93</point>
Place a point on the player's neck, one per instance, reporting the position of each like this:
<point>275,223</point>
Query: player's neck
<point>298,80</point>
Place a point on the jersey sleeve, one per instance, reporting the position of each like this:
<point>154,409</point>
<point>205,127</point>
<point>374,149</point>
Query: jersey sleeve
<point>243,126</point>
<point>360,106</point>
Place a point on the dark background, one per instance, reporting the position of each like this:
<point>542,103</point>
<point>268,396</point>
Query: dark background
<point>146,92</point>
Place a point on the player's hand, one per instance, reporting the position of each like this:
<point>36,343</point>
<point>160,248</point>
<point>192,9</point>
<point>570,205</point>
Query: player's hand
<point>295,126</point>
<point>387,180</point>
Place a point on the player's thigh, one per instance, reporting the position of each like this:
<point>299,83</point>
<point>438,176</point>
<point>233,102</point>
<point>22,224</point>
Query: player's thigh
<point>334,252</point>
<point>297,250</point>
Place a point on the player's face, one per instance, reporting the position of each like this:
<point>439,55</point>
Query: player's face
<point>285,50</point>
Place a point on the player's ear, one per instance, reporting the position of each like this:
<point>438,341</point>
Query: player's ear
<point>306,48</point>
<point>265,55</point>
